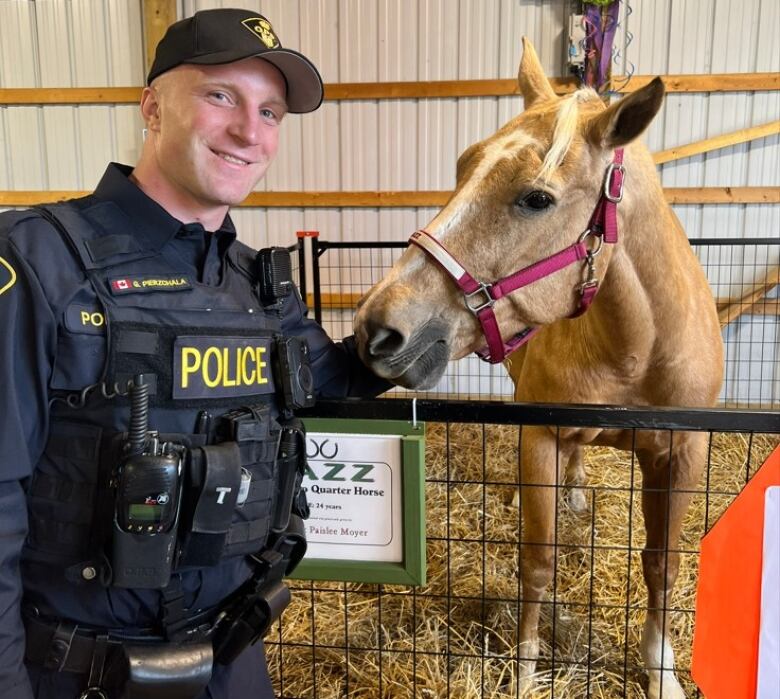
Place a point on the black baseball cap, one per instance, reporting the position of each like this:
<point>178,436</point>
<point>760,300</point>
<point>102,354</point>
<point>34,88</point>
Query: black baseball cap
<point>212,37</point>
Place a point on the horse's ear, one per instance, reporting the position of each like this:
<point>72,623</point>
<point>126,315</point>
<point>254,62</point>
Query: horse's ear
<point>626,119</point>
<point>534,85</point>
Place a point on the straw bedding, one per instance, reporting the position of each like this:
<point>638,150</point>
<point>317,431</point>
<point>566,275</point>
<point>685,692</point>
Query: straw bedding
<point>457,635</point>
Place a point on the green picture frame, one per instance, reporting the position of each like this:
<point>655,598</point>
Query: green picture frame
<point>412,570</point>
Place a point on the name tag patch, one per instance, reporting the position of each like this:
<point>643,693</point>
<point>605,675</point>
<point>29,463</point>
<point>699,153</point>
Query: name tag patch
<point>85,320</point>
<point>221,367</point>
<point>144,284</point>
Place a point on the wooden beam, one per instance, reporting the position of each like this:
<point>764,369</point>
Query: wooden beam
<point>722,195</point>
<point>384,200</point>
<point>34,197</point>
<point>335,302</point>
<point>761,307</point>
<point>743,305</point>
<point>721,82</point>
<point>158,16</point>
<point>69,95</point>
<point>716,142</point>
<point>346,301</point>
<point>351,200</point>
<point>715,82</point>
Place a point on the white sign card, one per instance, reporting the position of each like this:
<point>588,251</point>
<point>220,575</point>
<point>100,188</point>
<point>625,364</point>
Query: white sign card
<point>353,485</point>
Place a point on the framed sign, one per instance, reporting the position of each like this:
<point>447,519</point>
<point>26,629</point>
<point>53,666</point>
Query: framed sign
<point>365,487</point>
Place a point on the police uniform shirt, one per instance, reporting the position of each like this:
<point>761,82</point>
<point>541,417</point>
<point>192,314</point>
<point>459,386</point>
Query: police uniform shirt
<point>43,286</point>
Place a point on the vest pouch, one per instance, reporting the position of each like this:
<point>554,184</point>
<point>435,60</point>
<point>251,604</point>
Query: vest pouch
<point>291,467</point>
<point>78,362</point>
<point>61,497</point>
<point>214,480</point>
<point>256,433</point>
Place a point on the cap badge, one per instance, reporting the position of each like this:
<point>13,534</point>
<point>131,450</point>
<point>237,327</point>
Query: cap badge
<point>263,30</point>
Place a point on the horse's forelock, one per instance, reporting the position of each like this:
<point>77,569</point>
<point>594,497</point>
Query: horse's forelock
<point>566,121</point>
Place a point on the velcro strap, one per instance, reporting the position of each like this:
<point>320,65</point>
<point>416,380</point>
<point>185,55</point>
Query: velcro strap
<point>246,532</point>
<point>110,245</point>
<point>138,342</point>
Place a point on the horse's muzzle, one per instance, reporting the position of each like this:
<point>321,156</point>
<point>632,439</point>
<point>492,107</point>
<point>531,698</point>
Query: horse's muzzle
<point>415,360</point>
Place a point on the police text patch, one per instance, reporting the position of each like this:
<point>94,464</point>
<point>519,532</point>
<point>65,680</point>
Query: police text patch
<point>147,283</point>
<point>221,367</point>
<point>85,320</point>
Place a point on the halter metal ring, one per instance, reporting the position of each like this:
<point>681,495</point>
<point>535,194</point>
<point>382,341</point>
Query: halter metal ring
<point>599,242</point>
<point>477,306</point>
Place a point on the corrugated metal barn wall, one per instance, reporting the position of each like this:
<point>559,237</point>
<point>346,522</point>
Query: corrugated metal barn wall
<point>401,144</point>
<point>394,144</point>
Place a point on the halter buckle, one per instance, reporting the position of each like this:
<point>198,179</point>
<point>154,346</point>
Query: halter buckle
<point>488,301</point>
<point>612,168</point>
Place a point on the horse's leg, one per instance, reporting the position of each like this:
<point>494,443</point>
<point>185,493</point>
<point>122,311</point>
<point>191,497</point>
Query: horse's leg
<point>539,466</point>
<point>664,475</point>
<point>575,479</point>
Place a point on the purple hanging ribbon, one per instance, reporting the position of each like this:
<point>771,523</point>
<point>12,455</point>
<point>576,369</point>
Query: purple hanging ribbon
<point>600,27</point>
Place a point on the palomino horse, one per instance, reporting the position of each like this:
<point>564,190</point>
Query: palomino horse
<point>546,195</point>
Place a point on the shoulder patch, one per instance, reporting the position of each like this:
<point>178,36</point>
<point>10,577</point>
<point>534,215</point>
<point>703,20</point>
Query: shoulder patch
<point>7,275</point>
<point>85,320</point>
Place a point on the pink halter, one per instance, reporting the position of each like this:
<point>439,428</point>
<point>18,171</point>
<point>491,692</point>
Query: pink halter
<point>480,297</point>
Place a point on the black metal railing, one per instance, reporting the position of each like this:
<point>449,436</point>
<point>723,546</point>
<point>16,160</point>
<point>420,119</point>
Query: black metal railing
<point>343,271</point>
<point>457,636</point>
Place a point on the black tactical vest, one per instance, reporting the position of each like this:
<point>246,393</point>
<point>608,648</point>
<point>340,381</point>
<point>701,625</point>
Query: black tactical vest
<point>203,349</point>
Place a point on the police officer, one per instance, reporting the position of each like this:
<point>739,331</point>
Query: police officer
<point>143,286</point>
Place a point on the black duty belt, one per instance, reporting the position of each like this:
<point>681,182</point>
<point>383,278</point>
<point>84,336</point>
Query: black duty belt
<point>66,647</point>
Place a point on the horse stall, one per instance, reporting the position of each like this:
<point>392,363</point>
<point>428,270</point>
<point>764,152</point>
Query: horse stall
<point>458,635</point>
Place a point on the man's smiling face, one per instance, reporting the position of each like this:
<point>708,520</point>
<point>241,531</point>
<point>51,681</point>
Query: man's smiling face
<point>217,129</point>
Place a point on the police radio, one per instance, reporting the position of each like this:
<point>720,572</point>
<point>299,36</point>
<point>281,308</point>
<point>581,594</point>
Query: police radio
<point>147,503</point>
<point>273,272</point>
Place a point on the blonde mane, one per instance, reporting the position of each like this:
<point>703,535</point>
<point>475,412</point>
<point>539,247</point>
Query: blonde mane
<point>565,128</point>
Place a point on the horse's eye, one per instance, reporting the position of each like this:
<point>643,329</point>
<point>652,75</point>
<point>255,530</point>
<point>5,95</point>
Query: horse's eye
<point>536,200</point>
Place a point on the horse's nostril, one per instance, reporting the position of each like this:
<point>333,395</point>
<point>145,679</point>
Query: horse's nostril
<point>385,342</point>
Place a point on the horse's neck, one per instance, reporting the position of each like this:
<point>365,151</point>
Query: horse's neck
<point>651,280</point>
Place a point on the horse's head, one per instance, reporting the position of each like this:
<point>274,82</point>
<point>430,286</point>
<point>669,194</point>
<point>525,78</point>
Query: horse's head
<point>522,195</point>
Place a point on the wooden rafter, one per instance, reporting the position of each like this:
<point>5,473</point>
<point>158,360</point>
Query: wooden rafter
<point>409,199</point>
<point>155,10</point>
<point>716,142</point>
<point>752,299</point>
<point>729,310</point>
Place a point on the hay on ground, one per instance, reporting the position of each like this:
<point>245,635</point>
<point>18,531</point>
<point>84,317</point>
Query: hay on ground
<point>457,635</point>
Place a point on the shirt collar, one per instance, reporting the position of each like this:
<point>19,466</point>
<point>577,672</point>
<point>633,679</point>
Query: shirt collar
<point>152,224</point>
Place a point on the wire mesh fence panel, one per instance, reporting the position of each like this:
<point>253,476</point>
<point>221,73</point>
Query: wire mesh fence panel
<point>742,274</point>
<point>461,634</point>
